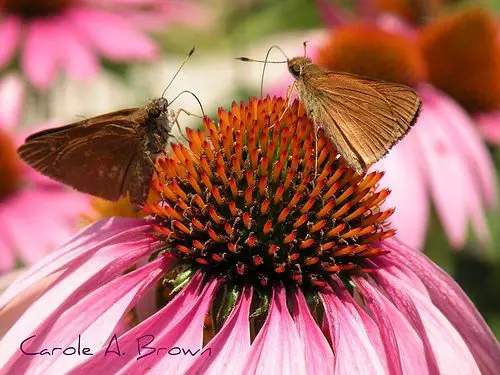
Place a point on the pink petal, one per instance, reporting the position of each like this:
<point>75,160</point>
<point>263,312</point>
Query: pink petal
<point>450,351</point>
<point>80,277</point>
<point>231,344</point>
<point>353,348</point>
<point>450,299</point>
<point>468,141</point>
<point>11,313</point>
<point>77,57</point>
<point>7,259</point>
<point>445,172</point>
<point>331,14</point>
<point>87,242</point>
<point>278,331</point>
<point>179,324</point>
<point>93,317</point>
<point>40,53</point>
<point>11,97</point>
<point>112,35</point>
<point>317,350</point>
<point>403,176</point>
<point>403,347</point>
<point>163,14</point>
<point>489,126</point>
<point>10,32</point>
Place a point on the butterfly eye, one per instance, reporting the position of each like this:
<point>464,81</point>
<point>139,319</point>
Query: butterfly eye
<point>295,70</point>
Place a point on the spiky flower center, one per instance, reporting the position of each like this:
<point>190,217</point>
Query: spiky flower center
<point>463,55</point>
<point>247,202</point>
<point>34,8</point>
<point>369,51</point>
<point>10,166</point>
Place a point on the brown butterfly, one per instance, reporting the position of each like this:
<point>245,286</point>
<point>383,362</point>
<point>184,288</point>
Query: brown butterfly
<point>108,156</point>
<point>363,117</point>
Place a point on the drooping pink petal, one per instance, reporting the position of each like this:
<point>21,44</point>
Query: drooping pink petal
<point>444,172</point>
<point>76,57</point>
<point>449,349</point>
<point>467,140</point>
<point>10,32</point>
<point>39,59</point>
<point>352,345</point>
<point>111,35</point>
<point>84,243</point>
<point>231,344</point>
<point>489,126</point>
<point>92,321</point>
<point>404,177</point>
<point>179,324</point>
<point>81,276</point>
<point>278,331</point>
<point>11,97</point>
<point>405,351</point>
<point>451,301</point>
<point>317,350</point>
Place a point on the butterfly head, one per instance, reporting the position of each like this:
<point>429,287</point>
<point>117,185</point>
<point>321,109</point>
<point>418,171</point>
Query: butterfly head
<point>158,107</point>
<point>297,64</point>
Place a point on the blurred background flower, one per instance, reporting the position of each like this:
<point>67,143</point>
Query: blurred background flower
<point>72,35</point>
<point>36,213</point>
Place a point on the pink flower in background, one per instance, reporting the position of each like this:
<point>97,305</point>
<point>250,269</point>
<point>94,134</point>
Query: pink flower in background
<point>36,214</point>
<point>229,276</point>
<point>442,159</point>
<point>71,35</point>
<point>462,50</point>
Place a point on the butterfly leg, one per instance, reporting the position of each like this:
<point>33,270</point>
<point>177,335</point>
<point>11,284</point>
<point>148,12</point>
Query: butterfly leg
<point>153,163</point>
<point>316,152</point>
<point>175,119</point>
<point>288,99</point>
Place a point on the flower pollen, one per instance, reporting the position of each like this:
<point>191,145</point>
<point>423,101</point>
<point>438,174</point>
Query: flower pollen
<point>10,171</point>
<point>369,51</point>
<point>244,202</point>
<point>463,56</point>
<point>35,8</point>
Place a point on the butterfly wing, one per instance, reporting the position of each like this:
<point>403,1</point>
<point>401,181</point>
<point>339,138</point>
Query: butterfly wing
<point>364,118</point>
<point>93,155</point>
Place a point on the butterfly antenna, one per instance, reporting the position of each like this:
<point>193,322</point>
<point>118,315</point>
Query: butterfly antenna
<point>265,61</point>
<point>305,47</point>
<point>265,64</point>
<point>189,92</point>
<point>178,70</point>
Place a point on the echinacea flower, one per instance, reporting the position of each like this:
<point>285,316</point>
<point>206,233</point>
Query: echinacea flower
<point>462,51</point>
<point>36,214</point>
<point>71,35</point>
<point>443,157</point>
<point>252,262</point>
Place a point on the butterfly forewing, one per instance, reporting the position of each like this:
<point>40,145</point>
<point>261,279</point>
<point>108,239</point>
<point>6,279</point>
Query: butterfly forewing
<point>93,159</point>
<point>364,118</point>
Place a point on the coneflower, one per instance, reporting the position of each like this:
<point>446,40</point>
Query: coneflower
<point>463,54</point>
<point>251,262</point>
